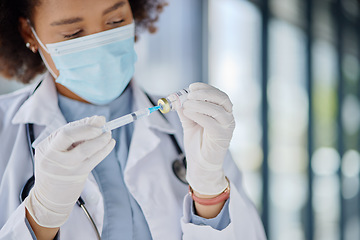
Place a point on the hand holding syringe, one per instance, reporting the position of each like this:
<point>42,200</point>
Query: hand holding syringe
<point>170,103</point>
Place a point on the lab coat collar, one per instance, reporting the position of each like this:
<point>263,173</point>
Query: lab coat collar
<point>41,108</point>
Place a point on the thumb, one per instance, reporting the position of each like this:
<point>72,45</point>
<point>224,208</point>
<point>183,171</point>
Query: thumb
<point>78,131</point>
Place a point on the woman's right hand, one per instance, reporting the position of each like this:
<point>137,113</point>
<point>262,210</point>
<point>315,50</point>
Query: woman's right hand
<point>63,162</point>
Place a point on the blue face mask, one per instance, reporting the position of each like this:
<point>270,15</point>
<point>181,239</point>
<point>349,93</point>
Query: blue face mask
<point>96,67</point>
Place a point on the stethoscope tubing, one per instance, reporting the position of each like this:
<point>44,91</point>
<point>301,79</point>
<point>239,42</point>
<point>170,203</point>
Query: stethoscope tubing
<point>30,183</point>
<point>178,166</point>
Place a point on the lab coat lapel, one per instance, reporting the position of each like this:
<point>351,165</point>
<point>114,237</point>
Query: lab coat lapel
<point>147,170</point>
<point>41,108</point>
<point>144,139</point>
<point>148,173</point>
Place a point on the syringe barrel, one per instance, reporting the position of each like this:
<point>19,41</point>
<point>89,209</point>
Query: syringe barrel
<point>118,123</point>
<point>141,113</point>
<point>129,118</point>
<point>174,101</point>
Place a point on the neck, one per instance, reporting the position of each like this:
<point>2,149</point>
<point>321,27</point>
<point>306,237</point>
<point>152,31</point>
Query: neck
<point>67,93</point>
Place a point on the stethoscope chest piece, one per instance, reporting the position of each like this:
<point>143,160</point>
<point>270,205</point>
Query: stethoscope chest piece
<point>179,168</point>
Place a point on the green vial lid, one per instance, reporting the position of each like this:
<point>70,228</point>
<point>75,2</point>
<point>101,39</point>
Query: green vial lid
<point>165,105</point>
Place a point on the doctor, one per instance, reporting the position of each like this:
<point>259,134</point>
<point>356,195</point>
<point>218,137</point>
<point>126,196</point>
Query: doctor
<point>125,177</point>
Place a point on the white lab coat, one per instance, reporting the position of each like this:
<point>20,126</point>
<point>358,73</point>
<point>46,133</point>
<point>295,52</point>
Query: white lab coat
<point>148,174</point>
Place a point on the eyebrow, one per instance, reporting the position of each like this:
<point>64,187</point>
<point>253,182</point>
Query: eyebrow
<point>79,19</point>
<point>67,21</point>
<point>113,8</point>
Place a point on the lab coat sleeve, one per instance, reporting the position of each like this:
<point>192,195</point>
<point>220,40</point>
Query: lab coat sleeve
<point>16,227</point>
<point>30,229</point>
<point>244,223</point>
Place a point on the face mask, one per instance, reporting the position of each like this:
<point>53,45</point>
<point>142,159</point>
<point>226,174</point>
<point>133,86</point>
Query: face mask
<point>96,67</point>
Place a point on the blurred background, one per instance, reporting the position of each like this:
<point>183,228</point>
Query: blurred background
<point>291,68</point>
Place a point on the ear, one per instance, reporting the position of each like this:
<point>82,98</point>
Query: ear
<point>27,35</point>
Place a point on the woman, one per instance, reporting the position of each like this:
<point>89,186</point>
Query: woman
<point>124,177</point>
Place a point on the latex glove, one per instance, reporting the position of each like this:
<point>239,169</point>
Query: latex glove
<point>208,125</point>
<point>63,162</point>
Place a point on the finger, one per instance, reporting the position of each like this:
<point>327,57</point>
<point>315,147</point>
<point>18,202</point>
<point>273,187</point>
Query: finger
<point>96,158</point>
<point>76,157</point>
<point>208,122</point>
<point>212,129</point>
<point>200,86</point>
<point>208,109</point>
<point>79,131</point>
<point>90,147</point>
<point>97,121</point>
<point>204,121</point>
<point>185,121</point>
<point>207,93</point>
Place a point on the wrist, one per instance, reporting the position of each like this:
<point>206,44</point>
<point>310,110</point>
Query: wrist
<point>213,199</point>
<point>210,184</point>
<point>209,206</point>
<point>44,216</point>
<point>40,231</point>
<point>205,196</point>
<point>206,182</point>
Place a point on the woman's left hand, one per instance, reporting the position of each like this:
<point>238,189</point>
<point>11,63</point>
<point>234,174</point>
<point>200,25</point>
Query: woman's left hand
<point>208,125</point>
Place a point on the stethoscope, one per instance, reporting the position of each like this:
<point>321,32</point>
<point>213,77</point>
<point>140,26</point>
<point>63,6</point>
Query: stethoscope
<point>178,167</point>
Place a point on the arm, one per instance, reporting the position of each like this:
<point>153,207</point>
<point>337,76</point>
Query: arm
<point>41,233</point>
<point>238,219</point>
<point>209,211</point>
<point>208,125</point>
<point>63,162</point>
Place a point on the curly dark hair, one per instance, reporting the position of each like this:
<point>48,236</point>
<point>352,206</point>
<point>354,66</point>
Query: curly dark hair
<point>17,62</point>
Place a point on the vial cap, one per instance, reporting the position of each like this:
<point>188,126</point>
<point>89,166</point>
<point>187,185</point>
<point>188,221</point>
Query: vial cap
<point>165,105</point>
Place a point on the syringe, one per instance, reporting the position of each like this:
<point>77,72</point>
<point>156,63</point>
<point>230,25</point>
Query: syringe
<point>129,118</point>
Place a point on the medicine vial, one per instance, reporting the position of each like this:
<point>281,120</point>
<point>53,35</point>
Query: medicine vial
<point>174,101</point>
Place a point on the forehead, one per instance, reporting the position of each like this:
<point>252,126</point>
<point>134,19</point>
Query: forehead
<point>50,10</point>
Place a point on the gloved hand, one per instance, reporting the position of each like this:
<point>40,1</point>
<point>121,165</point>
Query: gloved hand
<point>63,162</point>
<point>208,125</point>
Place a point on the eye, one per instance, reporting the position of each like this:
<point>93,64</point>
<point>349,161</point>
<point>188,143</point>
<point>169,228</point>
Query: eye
<point>116,22</point>
<point>73,34</point>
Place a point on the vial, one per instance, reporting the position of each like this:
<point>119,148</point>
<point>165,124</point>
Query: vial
<point>174,101</point>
